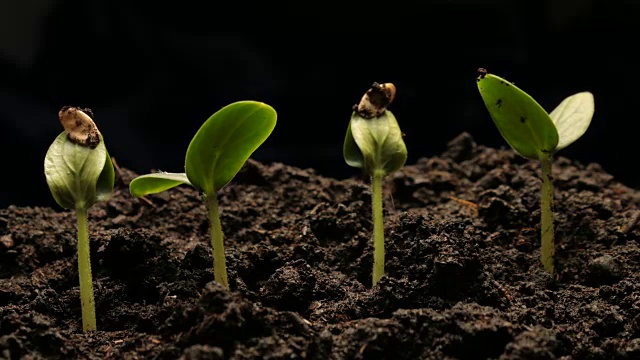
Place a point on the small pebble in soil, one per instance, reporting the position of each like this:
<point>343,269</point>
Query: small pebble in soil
<point>537,343</point>
<point>460,148</point>
<point>4,223</point>
<point>502,205</point>
<point>604,270</point>
<point>633,349</point>
<point>291,286</point>
<point>199,257</point>
<point>199,351</point>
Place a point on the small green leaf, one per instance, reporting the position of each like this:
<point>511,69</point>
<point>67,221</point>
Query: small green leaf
<point>106,180</point>
<point>156,183</point>
<point>225,141</point>
<point>351,151</point>
<point>573,117</point>
<point>379,141</point>
<point>72,172</point>
<point>522,122</point>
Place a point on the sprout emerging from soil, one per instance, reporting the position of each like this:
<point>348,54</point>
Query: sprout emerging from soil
<point>79,172</point>
<point>535,134</point>
<point>215,155</point>
<point>374,143</point>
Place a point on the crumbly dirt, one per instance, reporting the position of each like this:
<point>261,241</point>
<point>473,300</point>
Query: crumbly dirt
<point>463,277</point>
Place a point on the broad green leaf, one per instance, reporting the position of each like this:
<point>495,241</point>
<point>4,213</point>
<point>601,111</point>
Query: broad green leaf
<point>522,122</point>
<point>573,117</point>
<point>106,180</point>
<point>350,151</point>
<point>380,142</point>
<point>225,141</point>
<point>72,172</point>
<point>156,182</point>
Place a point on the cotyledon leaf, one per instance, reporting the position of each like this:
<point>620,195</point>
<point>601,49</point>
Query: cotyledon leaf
<point>572,117</point>
<point>225,141</point>
<point>72,172</point>
<point>106,180</point>
<point>522,122</point>
<point>379,141</point>
<point>350,150</point>
<point>156,182</point>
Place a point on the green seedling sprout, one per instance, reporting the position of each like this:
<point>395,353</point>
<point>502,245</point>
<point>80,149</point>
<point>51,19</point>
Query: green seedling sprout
<point>79,172</point>
<point>535,134</point>
<point>215,155</point>
<point>374,143</point>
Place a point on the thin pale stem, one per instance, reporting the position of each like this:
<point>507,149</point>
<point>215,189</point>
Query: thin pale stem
<point>219,261</point>
<point>546,219</point>
<point>84,269</point>
<point>378,226</point>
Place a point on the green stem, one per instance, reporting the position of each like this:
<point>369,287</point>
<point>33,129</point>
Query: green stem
<point>378,226</point>
<point>546,220</point>
<point>219,262</point>
<point>84,269</point>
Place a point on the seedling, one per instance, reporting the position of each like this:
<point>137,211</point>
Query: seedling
<point>79,172</point>
<point>374,143</point>
<point>535,134</point>
<point>215,155</point>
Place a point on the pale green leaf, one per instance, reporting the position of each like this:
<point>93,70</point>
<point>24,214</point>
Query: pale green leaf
<point>573,117</point>
<point>350,151</point>
<point>380,142</point>
<point>106,180</point>
<point>72,172</point>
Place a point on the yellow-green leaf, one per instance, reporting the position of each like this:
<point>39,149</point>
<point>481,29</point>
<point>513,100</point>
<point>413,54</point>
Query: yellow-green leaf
<point>522,122</point>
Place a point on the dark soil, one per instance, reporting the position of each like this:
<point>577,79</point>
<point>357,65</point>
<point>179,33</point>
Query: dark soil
<point>463,276</point>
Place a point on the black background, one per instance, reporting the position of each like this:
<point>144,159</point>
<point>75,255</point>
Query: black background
<point>153,72</point>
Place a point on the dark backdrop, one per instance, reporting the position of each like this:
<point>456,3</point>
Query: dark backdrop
<point>153,74</point>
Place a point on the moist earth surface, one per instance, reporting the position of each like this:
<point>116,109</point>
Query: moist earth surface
<point>463,274</point>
